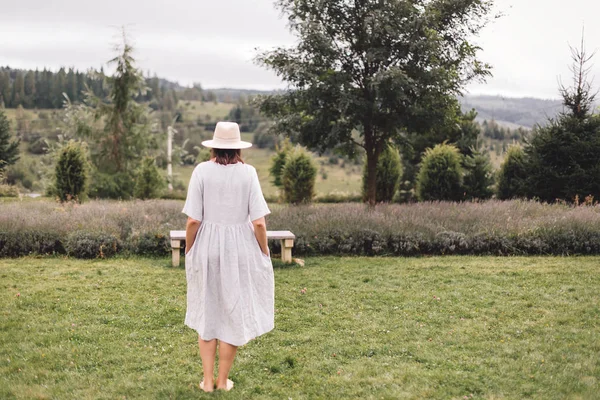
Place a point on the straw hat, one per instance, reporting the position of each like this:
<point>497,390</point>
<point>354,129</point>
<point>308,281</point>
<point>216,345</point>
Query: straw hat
<point>227,136</point>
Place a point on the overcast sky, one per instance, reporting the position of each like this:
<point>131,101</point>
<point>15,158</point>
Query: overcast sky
<point>213,42</point>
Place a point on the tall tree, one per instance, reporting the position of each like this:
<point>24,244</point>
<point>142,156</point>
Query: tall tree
<point>18,94</point>
<point>29,100</point>
<point>564,155</point>
<point>365,72</point>
<point>9,149</point>
<point>5,96</point>
<point>117,127</point>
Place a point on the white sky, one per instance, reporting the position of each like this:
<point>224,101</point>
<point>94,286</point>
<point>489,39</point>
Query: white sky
<point>213,42</point>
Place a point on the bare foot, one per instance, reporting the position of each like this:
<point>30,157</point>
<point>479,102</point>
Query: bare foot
<point>206,385</point>
<point>225,386</point>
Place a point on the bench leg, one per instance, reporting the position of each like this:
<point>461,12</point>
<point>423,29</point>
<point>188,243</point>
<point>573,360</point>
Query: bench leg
<point>175,246</point>
<point>286,250</point>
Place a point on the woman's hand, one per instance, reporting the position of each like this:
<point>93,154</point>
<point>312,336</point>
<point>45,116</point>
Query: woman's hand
<point>191,229</point>
<point>260,232</point>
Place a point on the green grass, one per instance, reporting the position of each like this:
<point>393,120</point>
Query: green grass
<point>391,328</point>
<point>193,110</point>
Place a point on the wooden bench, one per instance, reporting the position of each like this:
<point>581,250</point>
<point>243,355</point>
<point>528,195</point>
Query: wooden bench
<point>286,238</point>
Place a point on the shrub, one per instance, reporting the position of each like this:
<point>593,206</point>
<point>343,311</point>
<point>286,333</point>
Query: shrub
<point>39,146</point>
<point>92,245</point>
<point>440,174</point>
<point>8,191</point>
<point>263,139</point>
<point>512,175</point>
<point>478,177</point>
<point>298,177</point>
<point>150,244</point>
<point>119,185</point>
<point>388,173</point>
<point>278,161</point>
<point>21,243</point>
<point>149,181</point>
<point>70,173</point>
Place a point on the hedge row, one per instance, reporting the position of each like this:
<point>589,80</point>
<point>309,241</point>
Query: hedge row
<point>104,228</point>
<point>81,244</point>
<point>359,242</point>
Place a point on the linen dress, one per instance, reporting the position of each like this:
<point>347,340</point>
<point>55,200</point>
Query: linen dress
<point>230,282</point>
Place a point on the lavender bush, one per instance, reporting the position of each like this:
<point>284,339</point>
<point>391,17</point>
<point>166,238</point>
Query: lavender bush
<point>492,227</point>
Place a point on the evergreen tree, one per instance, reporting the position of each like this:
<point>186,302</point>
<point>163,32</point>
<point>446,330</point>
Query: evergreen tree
<point>5,89</point>
<point>118,128</point>
<point>440,175</point>
<point>70,173</point>
<point>298,177</point>
<point>29,90</point>
<point>512,175</point>
<point>9,149</point>
<point>479,176</point>
<point>278,161</point>
<point>564,156</point>
<point>18,93</point>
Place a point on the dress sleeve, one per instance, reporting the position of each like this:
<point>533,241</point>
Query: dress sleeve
<point>194,203</point>
<point>257,206</point>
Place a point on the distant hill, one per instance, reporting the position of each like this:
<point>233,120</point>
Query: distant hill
<point>512,112</point>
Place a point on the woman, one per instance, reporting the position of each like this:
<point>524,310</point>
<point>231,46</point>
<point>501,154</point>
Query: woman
<point>230,283</point>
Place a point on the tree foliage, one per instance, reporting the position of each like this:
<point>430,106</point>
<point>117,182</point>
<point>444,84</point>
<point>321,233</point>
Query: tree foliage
<point>440,175</point>
<point>9,148</point>
<point>389,171</point>
<point>117,127</point>
<point>564,155</point>
<point>149,182</point>
<point>367,72</point>
<point>71,172</point>
<point>278,162</point>
<point>479,176</point>
<point>512,175</point>
<point>298,177</point>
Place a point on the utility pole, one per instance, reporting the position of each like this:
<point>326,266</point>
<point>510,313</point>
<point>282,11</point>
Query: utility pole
<point>170,132</point>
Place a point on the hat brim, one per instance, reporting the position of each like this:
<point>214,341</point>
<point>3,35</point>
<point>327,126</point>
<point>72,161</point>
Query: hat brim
<point>217,144</point>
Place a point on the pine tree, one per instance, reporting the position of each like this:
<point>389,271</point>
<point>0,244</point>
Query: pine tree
<point>18,93</point>
<point>117,127</point>
<point>9,149</point>
<point>5,89</point>
<point>563,157</point>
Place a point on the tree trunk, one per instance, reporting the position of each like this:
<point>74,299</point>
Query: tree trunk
<point>371,177</point>
<point>373,149</point>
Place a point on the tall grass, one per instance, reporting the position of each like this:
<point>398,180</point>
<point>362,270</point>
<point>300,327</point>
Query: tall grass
<point>492,227</point>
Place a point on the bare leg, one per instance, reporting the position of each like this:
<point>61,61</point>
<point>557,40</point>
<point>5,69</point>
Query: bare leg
<point>208,351</point>
<point>226,356</point>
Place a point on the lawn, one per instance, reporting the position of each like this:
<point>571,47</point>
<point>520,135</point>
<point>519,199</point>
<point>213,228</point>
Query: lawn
<point>391,328</point>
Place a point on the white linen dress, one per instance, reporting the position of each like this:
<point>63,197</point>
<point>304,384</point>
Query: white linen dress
<point>230,282</point>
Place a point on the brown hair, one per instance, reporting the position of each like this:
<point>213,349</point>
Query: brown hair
<point>226,156</point>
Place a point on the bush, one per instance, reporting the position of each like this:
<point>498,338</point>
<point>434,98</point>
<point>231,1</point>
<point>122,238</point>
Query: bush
<point>278,161</point>
<point>21,243</point>
<point>512,175</point>
<point>298,177</point>
<point>440,174</point>
<point>39,146</point>
<point>263,139</point>
<point>150,244</point>
<point>92,245</point>
<point>388,173</point>
<point>149,181</point>
<point>478,177</point>
<point>70,173</point>
<point>119,185</point>
<point>8,191</point>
